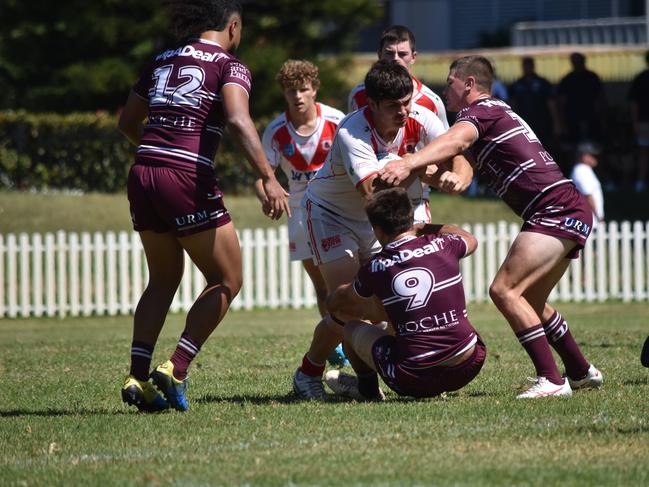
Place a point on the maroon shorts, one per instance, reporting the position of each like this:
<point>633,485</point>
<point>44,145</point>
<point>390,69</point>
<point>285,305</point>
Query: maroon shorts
<point>564,213</point>
<point>163,199</point>
<point>428,382</point>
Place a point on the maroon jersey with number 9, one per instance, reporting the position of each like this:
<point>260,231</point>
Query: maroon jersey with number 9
<point>419,283</point>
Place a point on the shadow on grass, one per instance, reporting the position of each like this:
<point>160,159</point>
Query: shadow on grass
<point>636,381</point>
<point>242,399</point>
<point>46,413</point>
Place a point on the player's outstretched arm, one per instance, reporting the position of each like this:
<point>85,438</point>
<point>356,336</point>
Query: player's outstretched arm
<point>240,125</point>
<point>452,177</point>
<point>433,228</point>
<point>132,116</point>
<point>445,147</point>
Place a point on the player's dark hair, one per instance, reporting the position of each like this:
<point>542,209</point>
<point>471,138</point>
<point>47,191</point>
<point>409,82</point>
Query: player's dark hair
<point>477,66</point>
<point>391,211</point>
<point>190,18</point>
<point>387,80</point>
<point>395,34</point>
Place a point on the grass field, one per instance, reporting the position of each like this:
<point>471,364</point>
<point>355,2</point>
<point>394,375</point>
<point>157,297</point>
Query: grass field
<point>62,421</point>
<point>38,212</point>
<point>48,212</point>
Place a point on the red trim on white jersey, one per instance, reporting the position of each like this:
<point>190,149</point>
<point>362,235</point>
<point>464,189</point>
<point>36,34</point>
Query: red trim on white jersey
<point>411,134</point>
<point>283,138</point>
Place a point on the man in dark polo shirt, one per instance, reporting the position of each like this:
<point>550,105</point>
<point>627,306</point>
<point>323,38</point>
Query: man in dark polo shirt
<point>416,276</point>
<point>557,219</point>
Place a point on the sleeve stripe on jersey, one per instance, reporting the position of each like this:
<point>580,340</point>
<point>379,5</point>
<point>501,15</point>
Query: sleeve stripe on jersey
<point>477,134</point>
<point>466,246</point>
<point>237,84</point>
<point>366,177</point>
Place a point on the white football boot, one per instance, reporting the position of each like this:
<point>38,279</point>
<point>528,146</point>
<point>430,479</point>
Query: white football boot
<point>347,385</point>
<point>591,380</point>
<point>307,387</point>
<point>544,388</point>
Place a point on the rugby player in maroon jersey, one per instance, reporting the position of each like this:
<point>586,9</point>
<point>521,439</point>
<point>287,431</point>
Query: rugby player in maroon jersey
<point>417,279</point>
<point>557,219</point>
<point>188,95</point>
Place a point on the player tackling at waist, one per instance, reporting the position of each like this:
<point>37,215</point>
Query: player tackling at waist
<point>557,219</point>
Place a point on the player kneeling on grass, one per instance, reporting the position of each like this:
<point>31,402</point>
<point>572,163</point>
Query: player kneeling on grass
<point>417,277</point>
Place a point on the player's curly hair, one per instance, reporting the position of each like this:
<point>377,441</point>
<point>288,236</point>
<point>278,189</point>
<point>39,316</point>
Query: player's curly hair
<point>190,18</point>
<point>390,210</point>
<point>477,66</point>
<point>294,73</point>
<point>387,80</point>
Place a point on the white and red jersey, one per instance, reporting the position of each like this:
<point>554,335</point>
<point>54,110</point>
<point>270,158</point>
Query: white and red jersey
<point>300,156</point>
<point>355,154</point>
<point>423,96</point>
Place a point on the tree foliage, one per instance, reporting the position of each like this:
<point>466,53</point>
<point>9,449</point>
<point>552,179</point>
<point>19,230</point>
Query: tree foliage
<point>81,55</point>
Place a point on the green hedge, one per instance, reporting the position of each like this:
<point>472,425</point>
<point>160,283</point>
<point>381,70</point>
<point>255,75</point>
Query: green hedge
<point>83,151</point>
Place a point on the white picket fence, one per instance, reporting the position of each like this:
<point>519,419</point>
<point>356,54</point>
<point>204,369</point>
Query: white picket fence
<point>72,274</point>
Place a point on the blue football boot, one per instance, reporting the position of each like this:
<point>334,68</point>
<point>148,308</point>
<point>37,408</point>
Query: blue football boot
<point>172,388</point>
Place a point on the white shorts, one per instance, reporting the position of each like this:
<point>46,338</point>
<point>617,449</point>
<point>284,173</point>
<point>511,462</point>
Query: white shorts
<point>421,211</point>
<point>332,236</point>
<point>298,244</point>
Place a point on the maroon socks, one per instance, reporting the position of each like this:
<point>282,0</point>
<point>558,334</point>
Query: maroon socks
<point>311,369</point>
<point>185,352</point>
<point>559,336</point>
<point>536,345</point>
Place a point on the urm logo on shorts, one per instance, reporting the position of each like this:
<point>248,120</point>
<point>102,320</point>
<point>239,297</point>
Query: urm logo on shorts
<point>191,218</point>
<point>331,242</point>
<point>578,225</point>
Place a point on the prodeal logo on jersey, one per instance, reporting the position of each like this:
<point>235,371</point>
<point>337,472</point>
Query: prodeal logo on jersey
<point>190,51</point>
<point>435,245</point>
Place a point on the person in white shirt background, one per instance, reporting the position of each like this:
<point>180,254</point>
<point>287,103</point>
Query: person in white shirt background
<point>587,182</point>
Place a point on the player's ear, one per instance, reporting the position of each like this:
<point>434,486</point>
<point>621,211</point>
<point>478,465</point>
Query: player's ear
<point>414,57</point>
<point>234,23</point>
<point>372,104</point>
<point>469,83</point>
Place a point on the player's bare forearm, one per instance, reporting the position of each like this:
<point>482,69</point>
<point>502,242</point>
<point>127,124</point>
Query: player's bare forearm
<point>448,145</point>
<point>263,199</point>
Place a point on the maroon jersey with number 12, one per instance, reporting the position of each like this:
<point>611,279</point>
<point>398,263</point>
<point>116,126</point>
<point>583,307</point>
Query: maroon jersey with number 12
<point>183,89</point>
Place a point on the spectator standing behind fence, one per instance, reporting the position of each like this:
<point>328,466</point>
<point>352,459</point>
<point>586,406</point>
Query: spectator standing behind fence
<point>584,177</point>
<point>580,97</point>
<point>639,99</point>
<point>532,97</point>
